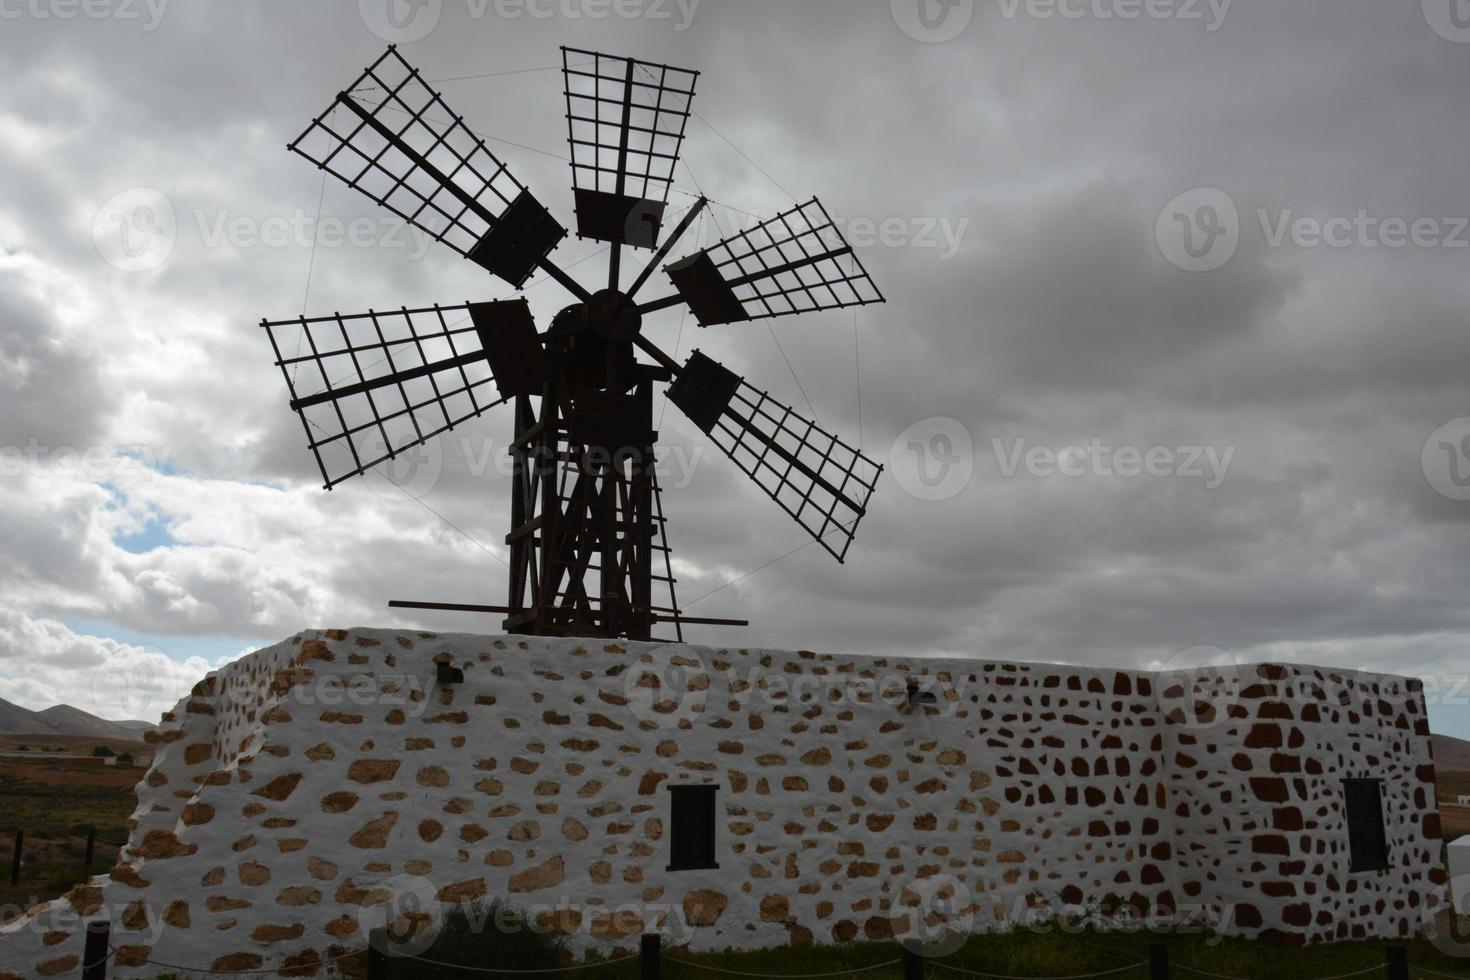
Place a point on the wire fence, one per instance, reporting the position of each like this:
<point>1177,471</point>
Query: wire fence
<point>87,844</point>
<point>653,963</point>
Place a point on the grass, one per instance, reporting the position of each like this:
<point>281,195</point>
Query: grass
<point>54,800</point>
<point>1018,954</point>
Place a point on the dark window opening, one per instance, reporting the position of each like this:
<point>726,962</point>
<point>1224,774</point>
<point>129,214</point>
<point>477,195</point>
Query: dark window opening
<point>1367,838</point>
<point>691,828</point>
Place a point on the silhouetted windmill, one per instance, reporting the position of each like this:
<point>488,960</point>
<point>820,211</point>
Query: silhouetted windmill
<point>586,515</point>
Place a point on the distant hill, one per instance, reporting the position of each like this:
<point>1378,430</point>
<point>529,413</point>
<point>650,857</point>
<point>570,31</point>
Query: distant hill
<point>1451,753</point>
<point>63,719</point>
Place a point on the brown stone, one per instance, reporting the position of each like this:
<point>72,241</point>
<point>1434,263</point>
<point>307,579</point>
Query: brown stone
<point>267,933</point>
<point>434,776</point>
<point>237,962</point>
<point>299,895</point>
<point>704,907</point>
<point>321,869</point>
<point>373,770</point>
<point>374,835</point>
<point>775,908</point>
<point>254,873</point>
<point>462,892</point>
<point>545,875</point>
<point>339,802</point>
<point>280,788</point>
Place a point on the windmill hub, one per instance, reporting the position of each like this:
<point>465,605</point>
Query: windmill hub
<point>614,314</point>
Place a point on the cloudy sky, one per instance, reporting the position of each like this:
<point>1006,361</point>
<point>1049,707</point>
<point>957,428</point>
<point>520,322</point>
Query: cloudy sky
<point>1173,365</point>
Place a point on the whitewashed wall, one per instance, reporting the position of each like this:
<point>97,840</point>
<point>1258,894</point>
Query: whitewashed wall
<point>319,778</point>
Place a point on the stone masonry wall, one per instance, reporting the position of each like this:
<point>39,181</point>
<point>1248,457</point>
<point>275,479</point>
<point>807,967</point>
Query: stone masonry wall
<point>303,786</point>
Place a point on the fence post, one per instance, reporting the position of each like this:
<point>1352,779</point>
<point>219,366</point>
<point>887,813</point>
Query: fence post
<point>15,861</point>
<point>650,956</point>
<point>913,963</point>
<point>94,954</point>
<point>1398,962</point>
<point>91,843</point>
<point>1158,961</point>
<point>377,957</point>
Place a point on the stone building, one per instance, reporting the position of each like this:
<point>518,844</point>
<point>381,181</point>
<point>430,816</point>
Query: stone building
<point>749,798</point>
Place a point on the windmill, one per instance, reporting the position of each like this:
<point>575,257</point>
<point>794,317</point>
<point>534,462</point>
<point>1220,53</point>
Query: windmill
<point>587,520</point>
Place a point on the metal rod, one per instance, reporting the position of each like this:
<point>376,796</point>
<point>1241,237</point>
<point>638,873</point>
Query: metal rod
<point>395,141</point>
<point>698,621</point>
<point>571,285</point>
<point>20,838</point>
<point>91,844</point>
<point>777,270</point>
<point>335,394</point>
<point>651,349</point>
<point>661,304</point>
<point>668,245</point>
<point>453,607</point>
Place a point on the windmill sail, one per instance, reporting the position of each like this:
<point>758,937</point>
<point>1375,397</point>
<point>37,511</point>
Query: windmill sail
<point>626,120</point>
<point>796,262</point>
<point>393,138</point>
<point>373,385</point>
<point>821,481</point>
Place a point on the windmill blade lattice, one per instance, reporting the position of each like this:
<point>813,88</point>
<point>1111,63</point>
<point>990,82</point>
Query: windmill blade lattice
<point>371,385</point>
<point>395,139</point>
<point>797,262</point>
<point>626,121</point>
<point>820,481</point>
